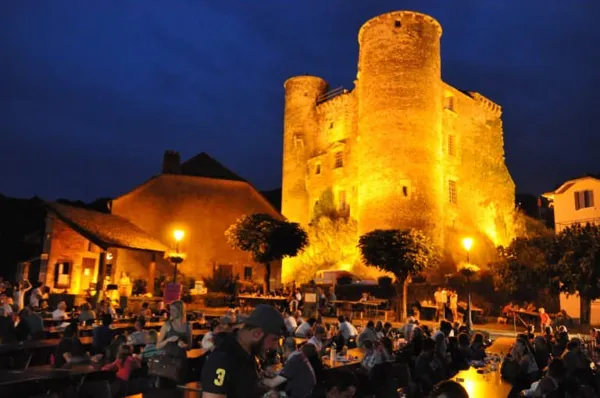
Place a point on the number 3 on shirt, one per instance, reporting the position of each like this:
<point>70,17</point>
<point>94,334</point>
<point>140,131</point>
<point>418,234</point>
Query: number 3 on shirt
<point>220,377</point>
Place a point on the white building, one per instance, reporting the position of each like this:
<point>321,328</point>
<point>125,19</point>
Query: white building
<point>574,203</point>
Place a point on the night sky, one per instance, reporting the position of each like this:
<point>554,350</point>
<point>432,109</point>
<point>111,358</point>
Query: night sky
<point>93,92</point>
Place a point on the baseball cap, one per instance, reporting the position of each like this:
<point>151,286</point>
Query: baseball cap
<point>267,318</point>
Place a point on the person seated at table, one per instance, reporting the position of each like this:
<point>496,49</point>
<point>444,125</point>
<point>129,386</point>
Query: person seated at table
<point>150,349</point>
<point>346,328</point>
<point>530,332</point>
<point>553,378</point>
<point>530,307</point>
<point>288,349</point>
<point>364,297</point>
<point>6,309</point>
<point>139,336</point>
<point>477,348</point>
<point>384,352</point>
<point>70,349</point>
<point>22,331</point>
<point>449,389</point>
<point>102,335</point>
<point>429,370</point>
<point>507,310</point>
<point>86,314</point>
<point>145,311</point>
<point>299,319</point>
<point>560,344</point>
<point>124,365</point>
<point>35,323</point>
<point>305,329</point>
<point>440,337</point>
<point>341,383</point>
<point>290,323</point>
<point>575,359</point>
<point>379,330</point>
<point>368,361</point>
<point>319,340</point>
<point>387,329</point>
<point>60,313</point>
<point>527,370</point>
<point>299,372</point>
<point>462,355</point>
<point>7,330</point>
<point>367,334</point>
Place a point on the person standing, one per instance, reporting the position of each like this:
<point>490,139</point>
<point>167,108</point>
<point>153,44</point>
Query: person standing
<point>439,304</point>
<point>36,295</point>
<point>444,302</point>
<point>22,287</point>
<point>454,305</point>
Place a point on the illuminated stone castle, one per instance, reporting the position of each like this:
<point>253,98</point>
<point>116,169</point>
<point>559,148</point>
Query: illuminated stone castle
<point>403,149</point>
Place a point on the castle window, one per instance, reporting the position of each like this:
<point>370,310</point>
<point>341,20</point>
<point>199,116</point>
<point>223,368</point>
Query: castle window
<point>318,168</point>
<point>405,191</point>
<point>342,204</point>
<point>584,199</point>
<point>331,125</point>
<point>339,160</point>
<point>247,273</point>
<point>452,193</point>
<point>397,23</point>
<point>298,141</point>
<point>449,103</point>
<point>451,145</point>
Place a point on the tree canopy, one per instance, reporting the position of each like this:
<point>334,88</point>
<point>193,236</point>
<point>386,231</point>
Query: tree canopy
<point>404,253</point>
<point>267,239</point>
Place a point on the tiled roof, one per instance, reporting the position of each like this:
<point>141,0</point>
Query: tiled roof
<point>106,230</point>
<point>203,165</point>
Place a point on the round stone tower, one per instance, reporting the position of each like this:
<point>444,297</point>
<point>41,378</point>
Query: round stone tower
<point>299,137</point>
<point>399,90</point>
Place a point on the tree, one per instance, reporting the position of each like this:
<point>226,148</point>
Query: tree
<point>577,268</point>
<point>267,239</point>
<point>404,253</point>
<point>525,266</point>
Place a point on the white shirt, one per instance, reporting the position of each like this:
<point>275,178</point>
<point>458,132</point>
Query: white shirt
<point>454,301</point>
<point>7,309</point>
<point>34,299</point>
<point>313,340</point>
<point>444,296</point>
<point>58,314</point>
<point>348,330</point>
<point>290,324</point>
<point>299,296</point>
<point>303,329</point>
<point>437,296</point>
<point>207,341</point>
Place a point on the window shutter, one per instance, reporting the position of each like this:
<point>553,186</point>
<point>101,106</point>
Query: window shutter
<point>591,198</point>
<point>66,268</point>
<point>577,205</point>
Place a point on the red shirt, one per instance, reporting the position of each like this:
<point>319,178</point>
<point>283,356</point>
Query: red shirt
<point>123,368</point>
<point>544,318</point>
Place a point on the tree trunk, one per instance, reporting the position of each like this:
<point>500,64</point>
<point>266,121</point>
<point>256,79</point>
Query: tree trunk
<point>585,307</point>
<point>400,299</point>
<point>267,277</point>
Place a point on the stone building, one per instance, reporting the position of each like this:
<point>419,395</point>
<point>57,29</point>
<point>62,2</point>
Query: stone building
<point>403,148</point>
<point>200,197</point>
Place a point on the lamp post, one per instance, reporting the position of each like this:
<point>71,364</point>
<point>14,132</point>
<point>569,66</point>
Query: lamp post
<point>178,257</point>
<point>468,272</point>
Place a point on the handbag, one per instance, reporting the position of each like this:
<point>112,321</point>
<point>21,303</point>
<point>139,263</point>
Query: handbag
<point>168,366</point>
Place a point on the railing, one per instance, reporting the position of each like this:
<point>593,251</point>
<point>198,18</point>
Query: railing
<point>562,225</point>
<point>331,94</point>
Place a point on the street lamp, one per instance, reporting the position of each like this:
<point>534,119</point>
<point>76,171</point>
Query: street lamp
<point>468,244</point>
<point>177,258</point>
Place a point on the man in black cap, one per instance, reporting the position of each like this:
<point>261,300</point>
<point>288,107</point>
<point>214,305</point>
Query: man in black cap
<point>230,371</point>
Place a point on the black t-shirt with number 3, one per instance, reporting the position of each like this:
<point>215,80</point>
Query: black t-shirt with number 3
<point>230,371</point>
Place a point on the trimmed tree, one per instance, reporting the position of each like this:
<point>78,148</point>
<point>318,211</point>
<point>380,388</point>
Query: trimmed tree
<point>577,268</point>
<point>404,253</point>
<point>267,239</point>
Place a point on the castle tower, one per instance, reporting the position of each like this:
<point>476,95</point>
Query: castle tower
<point>299,138</point>
<point>399,91</point>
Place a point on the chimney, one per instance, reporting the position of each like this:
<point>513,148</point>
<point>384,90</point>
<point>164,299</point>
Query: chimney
<point>171,162</point>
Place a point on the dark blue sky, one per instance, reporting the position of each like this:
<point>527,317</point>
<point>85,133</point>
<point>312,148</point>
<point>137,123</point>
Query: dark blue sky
<point>93,92</point>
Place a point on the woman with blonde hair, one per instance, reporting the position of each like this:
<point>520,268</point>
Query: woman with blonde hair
<point>176,329</point>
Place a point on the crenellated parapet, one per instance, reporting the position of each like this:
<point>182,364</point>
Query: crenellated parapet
<point>334,104</point>
<point>487,104</point>
<point>400,18</point>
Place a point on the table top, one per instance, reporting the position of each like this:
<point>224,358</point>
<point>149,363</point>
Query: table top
<point>249,296</point>
<point>488,385</point>
<point>357,356</point>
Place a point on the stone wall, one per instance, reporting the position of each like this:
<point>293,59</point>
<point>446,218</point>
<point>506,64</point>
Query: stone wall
<point>203,208</point>
<point>406,138</point>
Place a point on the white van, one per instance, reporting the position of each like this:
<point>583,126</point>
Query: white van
<point>330,277</point>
